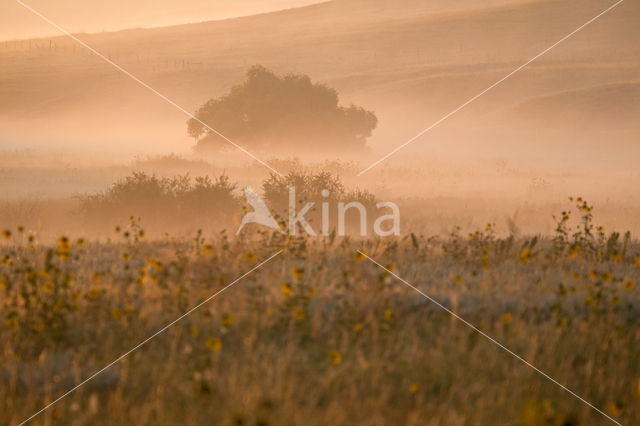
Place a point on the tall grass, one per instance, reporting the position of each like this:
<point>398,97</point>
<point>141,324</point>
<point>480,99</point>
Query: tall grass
<point>320,335</point>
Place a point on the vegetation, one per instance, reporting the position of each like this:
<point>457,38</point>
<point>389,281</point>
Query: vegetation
<point>183,204</point>
<point>320,335</point>
<point>163,201</point>
<point>317,188</point>
<point>269,111</point>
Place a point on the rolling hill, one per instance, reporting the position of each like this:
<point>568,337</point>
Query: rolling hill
<point>411,61</point>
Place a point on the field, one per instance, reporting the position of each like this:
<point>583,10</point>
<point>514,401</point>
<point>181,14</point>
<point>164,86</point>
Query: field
<point>320,334</point>
<point>149,271</point>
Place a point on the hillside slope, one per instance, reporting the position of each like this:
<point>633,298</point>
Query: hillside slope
<point>411,61</point>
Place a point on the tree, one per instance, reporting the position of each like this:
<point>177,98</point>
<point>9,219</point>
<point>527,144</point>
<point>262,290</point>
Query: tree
<point>268,111</point>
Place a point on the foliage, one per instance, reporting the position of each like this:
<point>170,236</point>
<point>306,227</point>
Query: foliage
<point>270,111</point>
<point>317,188</point>
<point>162,201</point>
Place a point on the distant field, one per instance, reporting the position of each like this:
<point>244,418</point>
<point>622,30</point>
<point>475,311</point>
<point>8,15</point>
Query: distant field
<point>43,193</point>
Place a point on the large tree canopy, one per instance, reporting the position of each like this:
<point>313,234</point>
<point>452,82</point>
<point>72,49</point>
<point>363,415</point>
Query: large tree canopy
<point>268,111</point>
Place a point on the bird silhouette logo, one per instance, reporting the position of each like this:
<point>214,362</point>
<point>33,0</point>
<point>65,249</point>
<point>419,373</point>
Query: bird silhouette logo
<point>260,214</point>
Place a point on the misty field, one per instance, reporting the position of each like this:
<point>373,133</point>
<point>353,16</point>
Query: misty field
<point>320,212</point>
<point>320,334</point>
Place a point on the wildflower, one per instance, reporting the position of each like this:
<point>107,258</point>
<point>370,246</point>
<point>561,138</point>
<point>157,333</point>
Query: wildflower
<point>629,284</point>
<point>547,407</point>
<point>214,344</point>
<point>297,272</point>
<point>286,289</point>
<point>38,326</point>
<point>227,320</point>
<point>116,313</point>
<point>125,256</point>
<point>388,314</point>
<point>20,229</point>
<point>574,250</point>
<point>47,287</point>
<point>358,327</point>
<point>80,242</point>
<point>525,255</point>
<point>606,276</point>
<point>141,233</point>
<point>207,248</point>
<point>616,257</point>
<point>155,264</point>
<point>614,409</point>
<point>506,318</point>
<point>457,279</point>
<point>298,313</point>
<point>63,248</point>
<point>563,321</point>
<point>414,388</point>
<point>250,257</point>
<point>194,331</point>
<point>93,294</point>
<point>638,261</point>
<point>12,323</point>
<point>6,234</point>
<point>335,357</point>
<point>359,257</point>
<point>593,274</point>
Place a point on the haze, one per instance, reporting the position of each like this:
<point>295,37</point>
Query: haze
<point>94,16</point>
<point>564,125</point>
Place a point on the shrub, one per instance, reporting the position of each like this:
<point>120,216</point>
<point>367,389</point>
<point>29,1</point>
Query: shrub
<point>164,203</point>
<point>309,187</point>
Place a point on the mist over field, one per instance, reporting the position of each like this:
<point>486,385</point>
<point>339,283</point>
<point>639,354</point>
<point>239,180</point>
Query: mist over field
<point>566,119</point>
<point>159,153</point>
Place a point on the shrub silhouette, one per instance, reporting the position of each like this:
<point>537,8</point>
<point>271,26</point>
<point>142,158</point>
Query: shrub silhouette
<point>309,187</point>
<point>185,204</point>
<point>164,202</point>
<point>267,111</point>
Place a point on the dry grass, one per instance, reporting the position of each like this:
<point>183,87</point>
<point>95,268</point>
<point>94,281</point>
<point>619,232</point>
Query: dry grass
<point>320,335</point>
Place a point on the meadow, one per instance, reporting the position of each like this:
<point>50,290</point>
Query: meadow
<point>126,296</point>
<point>320,334</point>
